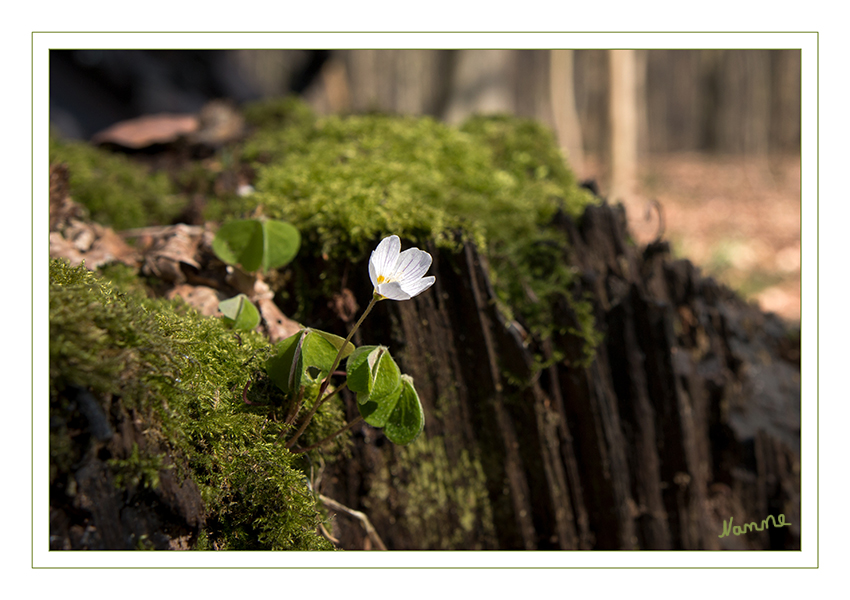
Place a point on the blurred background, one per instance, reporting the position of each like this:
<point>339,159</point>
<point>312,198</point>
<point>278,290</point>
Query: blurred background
<point>701,146</point>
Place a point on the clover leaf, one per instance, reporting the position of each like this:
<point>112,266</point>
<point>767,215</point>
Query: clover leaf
<point>407,419</point>
<point>257,244</point>
<point>304,359</point>
<point>239,312</point>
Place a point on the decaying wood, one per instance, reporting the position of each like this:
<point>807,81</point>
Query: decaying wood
<point>688,414</point>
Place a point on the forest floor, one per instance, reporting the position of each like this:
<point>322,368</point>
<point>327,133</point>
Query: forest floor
<point>736,218</point>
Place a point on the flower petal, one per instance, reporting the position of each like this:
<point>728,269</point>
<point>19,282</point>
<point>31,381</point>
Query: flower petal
<point>412,264</point>
<point>373,273</point>
<point>414,288</point>
<point>383,258</point>
<point>392,291</point>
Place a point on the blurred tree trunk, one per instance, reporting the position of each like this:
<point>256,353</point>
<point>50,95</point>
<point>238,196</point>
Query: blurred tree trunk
<point>785,101</point>
<point>592,98</point>
<point>564,111</point>
<point>743,112</point>
<point>483,81</point>
<point>395,81</point>
<point>675,100</point>
<point>627,102</point>
<point>623,108</point>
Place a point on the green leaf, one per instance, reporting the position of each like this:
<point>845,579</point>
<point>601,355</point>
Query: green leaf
<point>286,367</point>
<point>239,312</point>
<point>386,376</point>
<point>305,358</point>
<point>377,405</point>
<point>283,241</point>
<point>240,242</point>
<point>320,349</point>
<point>256,244</point>
<point>407,419</point>
<point>360,368</point>
<point>336,342</point>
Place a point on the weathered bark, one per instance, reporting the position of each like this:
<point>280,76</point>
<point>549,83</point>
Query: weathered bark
<point>687,416</point>
<point>98,515</point>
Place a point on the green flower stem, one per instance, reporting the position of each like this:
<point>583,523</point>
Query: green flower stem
<point>326,382</point>
<point>375,298</point>
<point>309,417</point>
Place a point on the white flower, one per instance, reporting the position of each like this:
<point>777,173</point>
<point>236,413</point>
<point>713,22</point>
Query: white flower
<point>399,275</point>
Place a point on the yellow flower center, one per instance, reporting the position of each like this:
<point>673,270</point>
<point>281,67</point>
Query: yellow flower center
<point>380,279</point>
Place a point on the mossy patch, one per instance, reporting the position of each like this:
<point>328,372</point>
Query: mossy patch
<point>116,191</point>
<point>344,182</point>
<point>347,181</point>
<point>182,376</point>
<point>436,490</point>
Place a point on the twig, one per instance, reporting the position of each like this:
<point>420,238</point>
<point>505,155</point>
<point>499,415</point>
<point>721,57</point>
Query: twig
<point>367,524</point>
<point>245,394</point>
<point>327,534</point>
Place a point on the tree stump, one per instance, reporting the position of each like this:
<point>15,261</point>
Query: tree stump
<point>686,418</point>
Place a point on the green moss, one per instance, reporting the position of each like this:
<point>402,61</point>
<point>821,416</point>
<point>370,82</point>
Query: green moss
<point>528,152</point>
<point>345,182</point>
<point>182,376</point>
<point>446,502</point>
<point>138,468</point>
<point>279,112</point>
<point>116,192</point>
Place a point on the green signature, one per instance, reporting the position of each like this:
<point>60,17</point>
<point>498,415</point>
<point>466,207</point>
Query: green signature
<point>752,526</point>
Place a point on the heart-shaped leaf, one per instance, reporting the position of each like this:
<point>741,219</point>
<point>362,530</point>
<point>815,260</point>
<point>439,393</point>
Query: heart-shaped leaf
<point>377,405</point>
<point>361,368</point>
<point>286,367</point>
<point>240,313</point>
<point>407,419</point>
<point>375,373</point>
<point>282,243</point>
<point>320,349</point>
<point>305,358</point>
<point>257,244</point>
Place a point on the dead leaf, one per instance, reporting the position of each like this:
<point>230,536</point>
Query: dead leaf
<point>203,299</point>
<point>278,325</point>
<point>148,130</point>
<point>169,248</point>
<point>92,243</point>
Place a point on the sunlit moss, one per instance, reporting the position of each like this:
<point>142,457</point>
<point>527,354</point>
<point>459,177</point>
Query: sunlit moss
<point>344,182</point>
<point>347,181</point>
<point>116,191</point>
<point>183,376</point>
